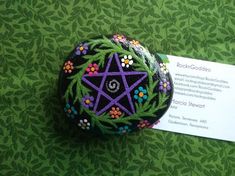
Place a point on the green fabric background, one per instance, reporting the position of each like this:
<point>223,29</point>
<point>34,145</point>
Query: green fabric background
<point>35,38</point>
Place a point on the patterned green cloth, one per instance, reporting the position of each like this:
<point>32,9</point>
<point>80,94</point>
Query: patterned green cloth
<point>36,36</point>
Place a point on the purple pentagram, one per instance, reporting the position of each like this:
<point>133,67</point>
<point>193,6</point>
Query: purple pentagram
<point>124,93</point>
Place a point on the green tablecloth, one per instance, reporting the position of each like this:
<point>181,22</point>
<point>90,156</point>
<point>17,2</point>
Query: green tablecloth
<point>35,38</point>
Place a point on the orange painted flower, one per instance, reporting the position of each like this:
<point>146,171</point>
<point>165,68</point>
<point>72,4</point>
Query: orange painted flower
<point>68,67</point>
<point>115,112</point>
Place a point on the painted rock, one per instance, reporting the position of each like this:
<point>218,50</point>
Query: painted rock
<point>114,86</point>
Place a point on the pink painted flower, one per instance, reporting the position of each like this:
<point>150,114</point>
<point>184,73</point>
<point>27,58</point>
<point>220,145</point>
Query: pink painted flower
<point>119,38</point>
<point>143,124</point>
<point>92,69</point>
<point>68,67</point>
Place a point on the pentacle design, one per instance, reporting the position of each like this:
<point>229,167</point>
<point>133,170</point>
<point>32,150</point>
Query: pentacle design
<point>99,107</point>
<point>114,86</point>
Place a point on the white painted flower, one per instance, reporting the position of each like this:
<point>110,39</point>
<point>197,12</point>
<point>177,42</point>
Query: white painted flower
<point>127,61</point>
<point>163,68</point>
<point>84,124</point>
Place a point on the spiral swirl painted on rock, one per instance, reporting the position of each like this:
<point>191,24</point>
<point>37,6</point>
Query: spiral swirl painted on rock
<point>113,86</point>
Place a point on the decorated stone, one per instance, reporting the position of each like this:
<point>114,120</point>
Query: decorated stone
<point>114,86</point>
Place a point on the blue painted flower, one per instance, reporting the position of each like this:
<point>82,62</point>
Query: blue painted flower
<point>70,111</point>
<point>140,94</point>
<point>124,129</point>
<point>82,49</point>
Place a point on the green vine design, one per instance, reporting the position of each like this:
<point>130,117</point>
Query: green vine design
<point>147,109</point>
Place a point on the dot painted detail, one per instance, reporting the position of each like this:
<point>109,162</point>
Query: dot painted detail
<point>116,84</point>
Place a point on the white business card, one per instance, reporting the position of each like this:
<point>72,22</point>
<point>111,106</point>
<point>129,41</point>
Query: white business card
<point>203,103</point>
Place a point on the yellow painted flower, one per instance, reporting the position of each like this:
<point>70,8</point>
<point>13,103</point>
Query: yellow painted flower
<point>135,42</point>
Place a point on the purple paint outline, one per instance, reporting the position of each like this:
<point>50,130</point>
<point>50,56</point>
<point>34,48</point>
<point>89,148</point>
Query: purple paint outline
<point>125,82</point>
<point>102,83</point>
<point>123,94</point>
<point>105,95</point>
<point>127,88</point>
<point>115,74</point>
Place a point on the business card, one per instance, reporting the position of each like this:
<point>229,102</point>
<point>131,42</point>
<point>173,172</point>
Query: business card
<point>203,103</point>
